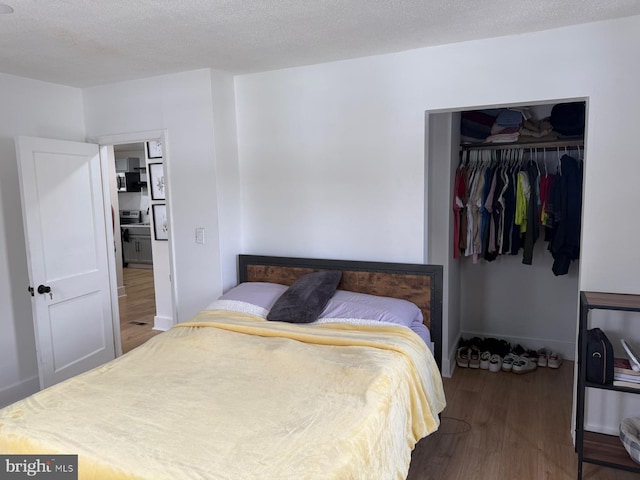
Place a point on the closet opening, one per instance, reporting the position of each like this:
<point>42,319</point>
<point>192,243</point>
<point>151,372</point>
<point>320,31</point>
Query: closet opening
<point>510,252</point>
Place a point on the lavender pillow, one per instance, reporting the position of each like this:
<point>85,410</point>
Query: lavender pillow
<point>372,307</point>
<point>422,331</point>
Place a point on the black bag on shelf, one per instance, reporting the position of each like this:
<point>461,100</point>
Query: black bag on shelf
<point>599,357</point>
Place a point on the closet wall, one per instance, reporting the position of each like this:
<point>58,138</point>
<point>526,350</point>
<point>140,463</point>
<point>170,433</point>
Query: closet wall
<point>524,304</point>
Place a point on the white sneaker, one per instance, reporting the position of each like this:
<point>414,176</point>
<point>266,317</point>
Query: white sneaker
<point>485,358</point>
<point>495,363</point>
<point>555,360</point>
<point>507,361</point>
<point>524,365</point>
<point>543,357</point>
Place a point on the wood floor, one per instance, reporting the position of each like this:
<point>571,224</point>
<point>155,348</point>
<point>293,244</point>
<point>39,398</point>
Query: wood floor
<point>505,426</point>
<point>137,308</point>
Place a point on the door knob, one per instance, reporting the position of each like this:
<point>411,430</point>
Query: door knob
<point>44,289</point>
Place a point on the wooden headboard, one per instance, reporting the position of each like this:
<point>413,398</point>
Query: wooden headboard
<point>420,284</point>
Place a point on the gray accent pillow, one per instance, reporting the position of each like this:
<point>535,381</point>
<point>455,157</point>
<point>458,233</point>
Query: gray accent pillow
<point>303,301</point>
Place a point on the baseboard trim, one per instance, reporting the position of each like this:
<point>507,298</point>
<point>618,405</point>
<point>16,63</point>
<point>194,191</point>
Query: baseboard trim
<point>19,390</point>
<point>615,431</point>
<point>122,291</point>
<point>449,364</point>
<point>144,266</point>
<point>162,323</point>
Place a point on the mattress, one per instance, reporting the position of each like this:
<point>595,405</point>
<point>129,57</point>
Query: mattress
<point>231,395</point>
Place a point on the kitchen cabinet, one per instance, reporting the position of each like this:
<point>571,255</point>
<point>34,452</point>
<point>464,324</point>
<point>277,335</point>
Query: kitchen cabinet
<point>144,249</point>
<point>138,247</point>
<point>128,164</point>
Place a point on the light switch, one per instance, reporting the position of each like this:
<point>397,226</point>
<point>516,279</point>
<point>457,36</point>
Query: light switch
<point>200,235</point>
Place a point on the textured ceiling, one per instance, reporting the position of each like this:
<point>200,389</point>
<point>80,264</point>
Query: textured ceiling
<point>91,42</point>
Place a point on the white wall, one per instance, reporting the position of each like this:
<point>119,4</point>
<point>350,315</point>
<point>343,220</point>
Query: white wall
<point>181,104</point>
<point>228,174</point>
<point>163,318</point>
<point>332,155</point>
<point>39,109</point>
<point>443,142</point>
<point>525,304</point>
<point>331,162</point>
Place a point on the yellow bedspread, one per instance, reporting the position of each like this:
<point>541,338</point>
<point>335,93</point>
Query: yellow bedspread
<point>232,396</point>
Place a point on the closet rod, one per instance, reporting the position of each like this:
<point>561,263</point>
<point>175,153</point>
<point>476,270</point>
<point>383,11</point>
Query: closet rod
<point>539,145</point>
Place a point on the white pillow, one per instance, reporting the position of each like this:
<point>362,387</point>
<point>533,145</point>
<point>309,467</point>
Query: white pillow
<point>255,298</point>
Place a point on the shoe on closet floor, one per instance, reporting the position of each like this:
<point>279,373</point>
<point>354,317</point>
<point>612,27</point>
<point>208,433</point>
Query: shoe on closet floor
<point>518,350</point>
<point>555,360</point>
<point>474,357</point>
<point>543,357</point>
<point>524,365</point>
<point>507,362</point>
<point>462,357</point>
<point>485,359</point>
<point>495,363</point>
<point>502,348</point>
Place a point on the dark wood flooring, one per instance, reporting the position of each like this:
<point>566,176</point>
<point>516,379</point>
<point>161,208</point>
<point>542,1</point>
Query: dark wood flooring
<point>503,426</point>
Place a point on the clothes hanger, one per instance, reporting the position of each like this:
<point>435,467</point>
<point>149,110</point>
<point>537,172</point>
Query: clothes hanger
<point>521,157</point>
<point>513,160</point>
<point>473,160</point>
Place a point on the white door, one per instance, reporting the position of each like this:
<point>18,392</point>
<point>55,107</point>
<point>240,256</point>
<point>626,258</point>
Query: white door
<point>65,213</point>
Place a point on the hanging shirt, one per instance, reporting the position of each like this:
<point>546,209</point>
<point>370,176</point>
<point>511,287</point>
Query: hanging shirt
<point>523,191</point>
<point>565,246</point>
<point>498,213</point>
<point>515,229</point>
<point>476,215</point>
<point>458,194</point>
<point>488,175</point>
<point>531,233</point>
<point>489,231</point>
<point>464,188</point>
<point>471,193</point>
<point>508,198</point>
<point>503,186</point>
<point>545,187</point>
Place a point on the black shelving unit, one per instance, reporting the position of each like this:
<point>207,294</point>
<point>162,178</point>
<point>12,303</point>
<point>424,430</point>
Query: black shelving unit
<point>592,447</point>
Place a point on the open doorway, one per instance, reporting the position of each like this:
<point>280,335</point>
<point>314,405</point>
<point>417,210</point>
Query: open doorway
<point>134,258</point>
<point>143,290</point>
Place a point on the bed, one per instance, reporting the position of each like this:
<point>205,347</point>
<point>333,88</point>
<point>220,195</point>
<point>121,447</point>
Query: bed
<point>234,395</point>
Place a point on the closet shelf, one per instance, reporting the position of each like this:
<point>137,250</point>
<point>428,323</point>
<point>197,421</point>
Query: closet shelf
<point>579,142</point>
